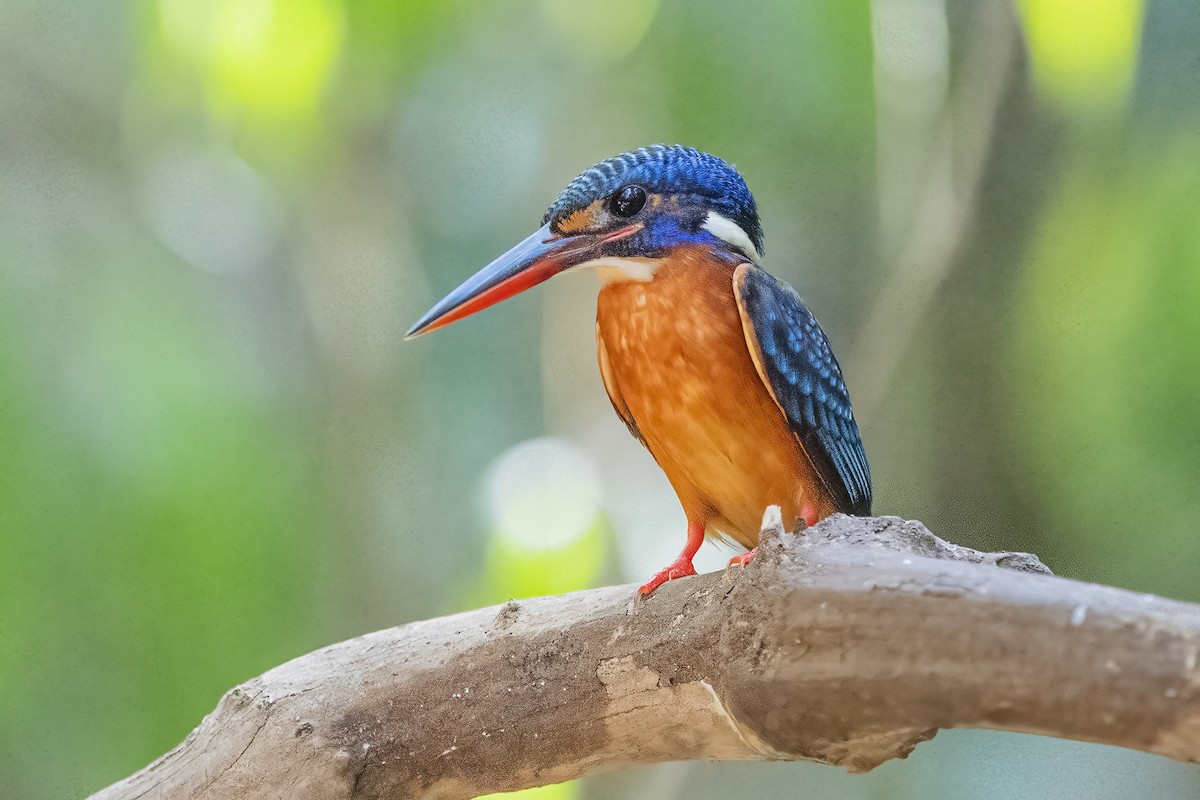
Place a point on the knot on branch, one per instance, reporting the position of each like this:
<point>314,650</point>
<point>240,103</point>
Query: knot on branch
<point>893,534</point>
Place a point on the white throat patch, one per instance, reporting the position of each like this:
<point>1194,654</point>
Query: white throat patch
<point>616,270</point>
<point>724,228</point>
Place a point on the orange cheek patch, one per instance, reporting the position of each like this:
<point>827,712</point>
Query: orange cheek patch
<point>581,220</point>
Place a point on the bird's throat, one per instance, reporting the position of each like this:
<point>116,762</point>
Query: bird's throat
<point>621,270</point>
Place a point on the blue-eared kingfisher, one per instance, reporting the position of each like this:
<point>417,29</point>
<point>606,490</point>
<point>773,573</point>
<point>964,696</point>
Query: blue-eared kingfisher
<point>714,365</point>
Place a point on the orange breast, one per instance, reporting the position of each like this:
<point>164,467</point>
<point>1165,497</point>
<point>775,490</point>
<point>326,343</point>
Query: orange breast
<point>675,360</point>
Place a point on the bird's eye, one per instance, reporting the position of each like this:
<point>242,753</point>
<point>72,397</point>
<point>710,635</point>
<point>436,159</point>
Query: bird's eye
<point>628,201</point>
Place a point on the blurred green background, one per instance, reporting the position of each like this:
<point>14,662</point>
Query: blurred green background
<point>217,218</point>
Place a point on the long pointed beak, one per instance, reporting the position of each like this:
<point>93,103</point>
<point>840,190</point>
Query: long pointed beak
<point>540,257</point>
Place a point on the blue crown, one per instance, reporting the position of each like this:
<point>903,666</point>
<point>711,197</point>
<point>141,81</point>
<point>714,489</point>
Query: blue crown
<point>666,169</point>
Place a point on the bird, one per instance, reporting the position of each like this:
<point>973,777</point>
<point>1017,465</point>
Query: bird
<point>714,365</point>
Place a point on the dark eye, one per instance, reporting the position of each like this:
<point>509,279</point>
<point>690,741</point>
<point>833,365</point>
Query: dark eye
<point>628,201</point>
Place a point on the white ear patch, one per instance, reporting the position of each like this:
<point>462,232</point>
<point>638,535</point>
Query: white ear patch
<point>724,228</point>
<point>616,270</point>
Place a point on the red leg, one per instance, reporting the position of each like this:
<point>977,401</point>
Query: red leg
<point>743,559</point>
<point>680,567</point>
<point>808,513</point>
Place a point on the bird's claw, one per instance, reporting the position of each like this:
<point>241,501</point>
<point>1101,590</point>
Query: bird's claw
<point>679,569</point>
<point>743,559</point>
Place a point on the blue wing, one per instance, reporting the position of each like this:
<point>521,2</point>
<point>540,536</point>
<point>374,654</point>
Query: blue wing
<point>795,361</point>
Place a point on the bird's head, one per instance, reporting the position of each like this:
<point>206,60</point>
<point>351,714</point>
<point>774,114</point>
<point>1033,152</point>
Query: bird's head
<point>622,216</point>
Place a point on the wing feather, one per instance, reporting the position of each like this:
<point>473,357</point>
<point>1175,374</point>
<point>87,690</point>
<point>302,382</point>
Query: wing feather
<point>797,365</point>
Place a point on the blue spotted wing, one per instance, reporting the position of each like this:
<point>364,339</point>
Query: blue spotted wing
<point>795,361</point>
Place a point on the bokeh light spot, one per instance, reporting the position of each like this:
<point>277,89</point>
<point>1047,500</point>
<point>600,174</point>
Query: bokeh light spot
<point>1084,52</point>
<point>599,32</point>
<point>543,494</point>
<point>268,57</point>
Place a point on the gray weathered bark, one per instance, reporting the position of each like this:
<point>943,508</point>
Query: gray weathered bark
<point>850,645</point>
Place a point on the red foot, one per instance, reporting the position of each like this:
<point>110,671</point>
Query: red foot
<point>743,559</point>
<point>680,567</point>
<point>809,512</point>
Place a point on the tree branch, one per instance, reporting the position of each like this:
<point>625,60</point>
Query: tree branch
<point>850,645</point>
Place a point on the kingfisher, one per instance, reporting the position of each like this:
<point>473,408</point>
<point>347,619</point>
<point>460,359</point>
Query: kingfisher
<point>713,364</point>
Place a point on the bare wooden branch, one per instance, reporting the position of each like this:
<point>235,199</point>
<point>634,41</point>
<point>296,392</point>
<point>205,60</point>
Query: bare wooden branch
<point>849,644</point>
